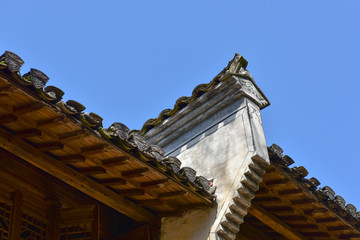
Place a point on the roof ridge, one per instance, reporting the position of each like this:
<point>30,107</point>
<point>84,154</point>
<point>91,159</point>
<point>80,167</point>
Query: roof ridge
<point>236,66</point>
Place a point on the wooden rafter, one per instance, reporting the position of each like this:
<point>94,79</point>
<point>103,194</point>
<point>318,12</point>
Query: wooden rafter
<point>48,164</point>
<point>86,153</point>
<point>311,200</point>
<point>274,223</point>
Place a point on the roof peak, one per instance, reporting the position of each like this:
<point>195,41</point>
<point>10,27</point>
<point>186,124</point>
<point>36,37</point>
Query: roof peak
<point>237,65</point>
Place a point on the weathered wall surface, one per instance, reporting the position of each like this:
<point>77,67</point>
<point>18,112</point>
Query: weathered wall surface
<point>228,145</point>
<point>194,225</point>
<point>218,151</point>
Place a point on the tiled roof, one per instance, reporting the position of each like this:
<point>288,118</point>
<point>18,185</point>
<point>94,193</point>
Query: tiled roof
<point>237,66</point>
<point>325,195</point>
<point>117,133</point>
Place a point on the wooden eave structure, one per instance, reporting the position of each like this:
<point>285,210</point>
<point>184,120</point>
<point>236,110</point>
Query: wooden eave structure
<point>290,206</point>
<point>116,167</point>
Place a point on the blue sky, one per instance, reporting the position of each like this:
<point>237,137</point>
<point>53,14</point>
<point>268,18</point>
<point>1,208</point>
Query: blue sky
<point>129,60</point>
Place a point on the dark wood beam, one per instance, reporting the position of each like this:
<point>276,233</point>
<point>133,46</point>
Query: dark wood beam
<point>49,146</point>
<point>69,136</point>
<point>32,107</point>
<point>349,236</point>
<point>7,89</point>
<point>33,132</point>
<point>302,201</point>
<point>290,192</point>
<point>54,220</point>
<point>154,184</point>
<point>338,228</point>
<point>75,179</point>
<point>9,118</point>
<point>100,148</point>
<point>249,231</point>
<point>134,173</point>
<point>112,181</point>
<point>151,202</point>
<point>292,218</point>
<point>71,159</point>
<point>91,170</point>
<point>281,209</point>
<point>131,192</point>
<point>50,122</point>
<point>15,220</point>
<point>305,226</point>
<point>276,182</point>
<point>113,162</point>
<point>267,200</point>
<point>169,195</point>
<point>326,220</point>
<point>273,222</point>
<point>317,234</point>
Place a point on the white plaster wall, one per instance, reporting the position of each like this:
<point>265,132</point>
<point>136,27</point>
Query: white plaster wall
<point>220,155</point>
<point>222,149</point>
<point>194,225</point>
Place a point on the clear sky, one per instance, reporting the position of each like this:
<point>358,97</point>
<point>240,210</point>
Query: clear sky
<point>129,60</point>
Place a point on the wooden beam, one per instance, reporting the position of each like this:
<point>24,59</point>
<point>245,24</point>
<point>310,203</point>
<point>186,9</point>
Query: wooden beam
<point>9,118</point>
<point>131,192</point>
<point>15,220</point>
<point>151,202</point>
<point>241,236</point>
<point>92,170</point>
<point>326,220</point>
<point>113,162</point>
<point>33,132</point>
<point>317,234</point>
<point>302,201</point>
<point>267,200</point>
<point>169,195</point>
<point>274,223</point>
<point>338,228</point>
<point>134,173</point>
<point>292,218</point>
<point>280,209</point>
<point>316,204</point>
<point>71,159</point>
<point>349,235</point>
<point>49,146</point>
<point>7,89</point>
<point>50,122</point>
<point>315,210</point>
<point>77,180</point>
<point>53,225</point>
<point>276,182</point>
<point>308,226</point>
<point>95,228</point>
<point>100,148</point>
<point>69,136</point>
<point>32,107</point>
<point>290,192</point>
<point>251,232</point>
<point>112,181</point>
<point>154,184</point>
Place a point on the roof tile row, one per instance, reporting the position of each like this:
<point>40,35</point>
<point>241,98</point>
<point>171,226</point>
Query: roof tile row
<point>325,194</point>
<point>236,66</point>
<point>117,133</point>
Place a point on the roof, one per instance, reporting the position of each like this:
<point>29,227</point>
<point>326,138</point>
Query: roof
<point>325,194</point>
<point>36,116</point>
<point>288,205</point>
<point>237,66</point>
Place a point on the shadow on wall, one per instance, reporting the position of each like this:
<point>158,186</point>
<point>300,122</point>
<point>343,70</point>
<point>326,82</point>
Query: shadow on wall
<point>194,225</point>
